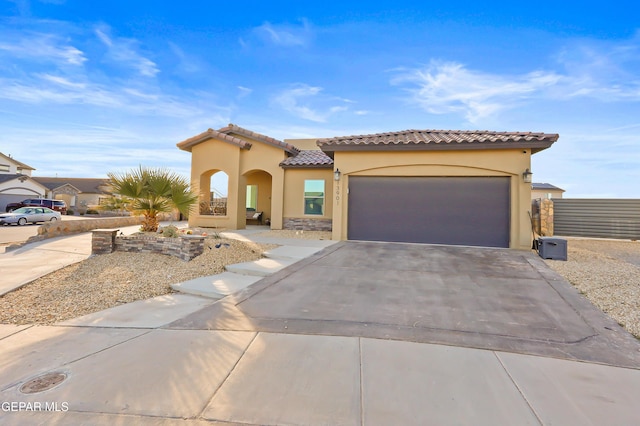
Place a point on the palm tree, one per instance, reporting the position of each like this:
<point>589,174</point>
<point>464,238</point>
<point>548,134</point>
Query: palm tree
<point>153,191</point>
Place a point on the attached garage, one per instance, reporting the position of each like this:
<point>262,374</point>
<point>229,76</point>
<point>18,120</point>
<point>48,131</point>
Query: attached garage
<point>449,187</point>
<point>472,211</point>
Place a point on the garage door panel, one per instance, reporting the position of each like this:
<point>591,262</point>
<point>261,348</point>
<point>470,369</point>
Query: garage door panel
<point>437,210</point>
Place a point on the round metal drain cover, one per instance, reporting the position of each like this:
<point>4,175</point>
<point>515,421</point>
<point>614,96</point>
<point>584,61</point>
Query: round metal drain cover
<point>43,383</point>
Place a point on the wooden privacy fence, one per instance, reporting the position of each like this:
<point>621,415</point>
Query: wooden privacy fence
<point>602,218</point>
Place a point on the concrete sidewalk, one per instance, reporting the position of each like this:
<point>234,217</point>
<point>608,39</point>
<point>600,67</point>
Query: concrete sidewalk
<point>129,365</point>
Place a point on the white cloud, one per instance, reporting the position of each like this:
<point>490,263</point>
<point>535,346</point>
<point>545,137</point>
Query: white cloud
<point>285,35</point>
<point>62,81</point>
<point>244,91</point>
<point>449,87</point>
<point>124,51</point>
<point>297,100</point>
<point>44,47</point>
<point>602,70</point>
<point>186,63</point>
<point>53,89</point>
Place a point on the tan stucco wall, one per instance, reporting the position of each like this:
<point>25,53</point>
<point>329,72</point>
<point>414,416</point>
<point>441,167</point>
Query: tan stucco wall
<point>90,200</point>
<point>304,144</point>
<point>267,158</point>
<point>208,158</point>
<point>294,192</point>
<point>439,163</point>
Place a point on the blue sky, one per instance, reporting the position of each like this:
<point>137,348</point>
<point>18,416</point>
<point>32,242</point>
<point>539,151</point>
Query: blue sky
<point>90,87</point>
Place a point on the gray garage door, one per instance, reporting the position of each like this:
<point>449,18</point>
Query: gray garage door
<point>470,211</point>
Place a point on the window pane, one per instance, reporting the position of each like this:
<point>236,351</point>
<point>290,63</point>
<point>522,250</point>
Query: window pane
<point>314,197</point>
<point>252,197</point>
<point>313,205</point>
<point>314,188</point>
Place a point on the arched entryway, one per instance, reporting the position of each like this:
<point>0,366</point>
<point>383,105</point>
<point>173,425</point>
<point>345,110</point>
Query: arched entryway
<point>214,190</point>
<point>258,197</point>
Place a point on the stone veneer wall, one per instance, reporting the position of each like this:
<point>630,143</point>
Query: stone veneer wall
<point>307,224</point>
<point>542,211</point>
<point>184,247</point>
<point>546,218</point>
<point>64,228</point>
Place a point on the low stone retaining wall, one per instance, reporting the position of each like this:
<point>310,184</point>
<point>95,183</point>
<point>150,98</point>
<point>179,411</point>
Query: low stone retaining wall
<point>64,228</point>
<point>305,224</point>
<point>69,227</point>
<point>185,247</point>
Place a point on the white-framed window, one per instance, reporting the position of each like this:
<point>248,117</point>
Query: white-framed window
<point>4,168</point>
<point>314,197</point>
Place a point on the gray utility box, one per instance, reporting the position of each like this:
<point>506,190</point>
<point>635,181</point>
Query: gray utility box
<point>552,248</point>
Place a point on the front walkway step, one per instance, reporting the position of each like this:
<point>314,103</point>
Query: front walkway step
<point>259,268</point>
<point>216,286</point>
<point>148,313</point>
<point>291,253</point>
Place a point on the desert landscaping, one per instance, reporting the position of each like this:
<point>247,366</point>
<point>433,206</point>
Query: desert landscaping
<point>607,272</point>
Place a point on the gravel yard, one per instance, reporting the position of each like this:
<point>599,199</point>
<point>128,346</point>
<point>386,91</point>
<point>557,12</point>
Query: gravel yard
<point>104,281</point>
<point>608,274</point>
<point>304,235</point>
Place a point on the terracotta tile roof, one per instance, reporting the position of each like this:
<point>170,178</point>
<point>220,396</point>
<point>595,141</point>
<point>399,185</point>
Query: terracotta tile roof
<point>187,144</point>
<point>308,159</point>
<point>439,140</point>
<point>232,128</point>
<point>87,185</point>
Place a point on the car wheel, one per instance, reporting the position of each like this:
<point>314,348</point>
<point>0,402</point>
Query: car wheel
<point>22,221</point>
<point>53,219</point>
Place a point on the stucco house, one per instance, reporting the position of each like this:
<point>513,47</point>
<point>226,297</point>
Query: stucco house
<point>76,192</point>
<point>424,186</point>
<point>16,183</point>
<point>545,191</point>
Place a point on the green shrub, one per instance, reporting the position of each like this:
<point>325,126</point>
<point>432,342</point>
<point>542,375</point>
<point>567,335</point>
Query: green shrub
<point>169,231</point>
<point>69,212</point>
<point>91,211</point>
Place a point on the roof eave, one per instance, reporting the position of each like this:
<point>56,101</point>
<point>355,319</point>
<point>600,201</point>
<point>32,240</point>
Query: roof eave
<point>233,128</point>
<point>306,166</point>
<point>188,144</point>
<point>535,146</point>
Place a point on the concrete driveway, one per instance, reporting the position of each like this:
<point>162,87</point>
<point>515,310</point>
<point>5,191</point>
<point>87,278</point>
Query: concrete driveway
<point>465,296</point>
<point>357,334</point>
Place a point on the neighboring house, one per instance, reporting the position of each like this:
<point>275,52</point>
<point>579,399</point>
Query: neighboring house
<point>426,186</point>
<point>16,183</point>
<point>76,192</point>
<point>545,191</point>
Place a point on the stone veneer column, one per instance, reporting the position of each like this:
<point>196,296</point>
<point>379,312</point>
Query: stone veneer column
<point>103,241</point>
<point>546,218</point>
